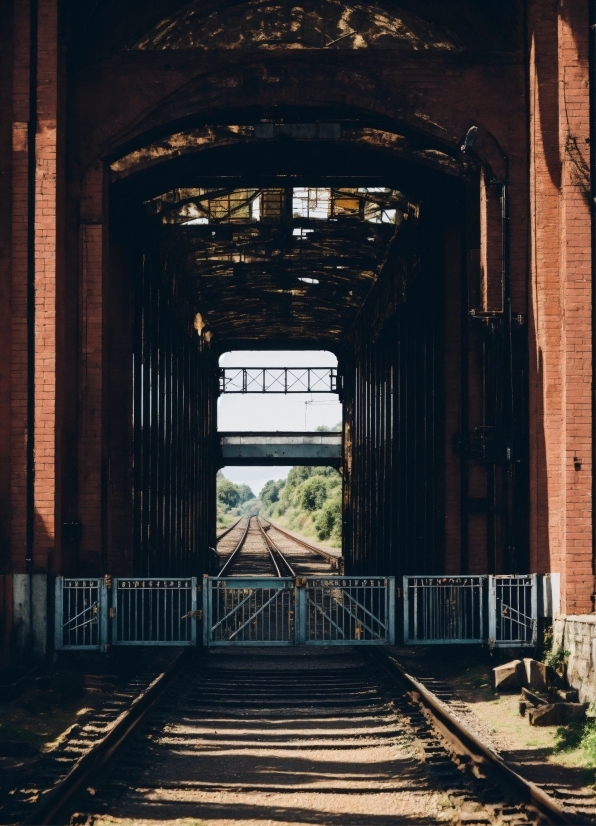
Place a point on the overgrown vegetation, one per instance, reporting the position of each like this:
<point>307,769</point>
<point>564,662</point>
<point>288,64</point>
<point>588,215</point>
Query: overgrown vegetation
<point>581,739</point>
<point>234,501</point>
<point>308,501</point>
<point>554,657</point>
<point>578,736</point>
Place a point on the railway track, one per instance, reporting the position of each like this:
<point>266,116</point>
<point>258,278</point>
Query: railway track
<point>34,793</point>
<point>222,534</point>
<point>328,737</point>
<point>263,549</point>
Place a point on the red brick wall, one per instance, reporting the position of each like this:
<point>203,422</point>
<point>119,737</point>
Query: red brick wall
<point>6,108</point>
<point>18,374</point>
<point>560,307</point>
<point>46,272</point>
<point>576,268</point>
<point>116,101</point>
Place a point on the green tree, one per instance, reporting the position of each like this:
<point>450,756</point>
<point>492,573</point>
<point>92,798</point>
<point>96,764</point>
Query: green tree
<point>309,501</point>
<point>270,492</point>
<point>328,520</point>
<point>311,494</point>
<point>245,493</point>
<point>228,493</point>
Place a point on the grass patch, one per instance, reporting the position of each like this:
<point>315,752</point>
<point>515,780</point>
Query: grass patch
<point>569,738</point>
<point>579,737</point>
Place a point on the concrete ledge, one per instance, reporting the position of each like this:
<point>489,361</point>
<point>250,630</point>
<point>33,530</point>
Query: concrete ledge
<point>577,634</point>
<point>281,448</point>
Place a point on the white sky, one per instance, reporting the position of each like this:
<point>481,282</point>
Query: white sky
<point>270,411</point>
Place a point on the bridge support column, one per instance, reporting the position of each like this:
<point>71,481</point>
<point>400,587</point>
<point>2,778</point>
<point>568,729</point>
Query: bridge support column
<point>90,456</point>
<point>561,300</point>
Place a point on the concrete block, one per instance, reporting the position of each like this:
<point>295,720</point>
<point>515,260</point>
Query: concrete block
<point>509,676</point>
<point>546,715</point>
<point>573,712</point>
<point>536,674</point>
<point>557,714</point>
<point>533,698</point>
<point>568,695</point>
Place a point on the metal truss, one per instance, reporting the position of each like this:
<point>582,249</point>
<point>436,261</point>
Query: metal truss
<point>278,380</point>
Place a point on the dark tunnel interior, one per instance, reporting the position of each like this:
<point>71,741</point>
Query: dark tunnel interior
<point>295,234</point>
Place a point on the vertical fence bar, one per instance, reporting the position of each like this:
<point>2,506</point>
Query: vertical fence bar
<point>103,614</point>
<point>58,613</point>
<point>534,607</point>
<point>114,610</point>
<point>480,610</point>
<point>193,608</point>
<point>406,597</point>
<point>390,609</point>
<point>300,609</point>
<point>492,608</point>
<point>207,617</point>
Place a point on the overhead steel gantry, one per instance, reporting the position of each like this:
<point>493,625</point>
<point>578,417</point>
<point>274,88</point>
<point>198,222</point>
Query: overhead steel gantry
<point>279,380</point>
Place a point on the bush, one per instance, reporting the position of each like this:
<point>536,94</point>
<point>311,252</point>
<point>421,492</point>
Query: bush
<point>308,501</point>
<point>311,495</point>
<point>328,520</point>
<point>270,493</point>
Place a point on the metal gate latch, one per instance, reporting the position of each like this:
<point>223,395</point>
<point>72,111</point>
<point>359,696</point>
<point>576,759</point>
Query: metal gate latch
<point>300,582</point>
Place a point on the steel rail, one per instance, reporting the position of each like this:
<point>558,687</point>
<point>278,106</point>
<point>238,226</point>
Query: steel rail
<point>54,801</point>
<point>466,741</point>
<point>236,550</point>
<point>328,556</point>
<point>228,529</point>
<point>271,546</point>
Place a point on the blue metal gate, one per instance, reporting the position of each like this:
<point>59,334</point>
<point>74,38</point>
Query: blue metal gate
<point>298,611</point>
<point>137,611</point>
<point>443,609</point>
<point>451,609</point>
<point>513,611</point>
<point>149,611</point>
<point>90,613</point>
<point>81,614</point>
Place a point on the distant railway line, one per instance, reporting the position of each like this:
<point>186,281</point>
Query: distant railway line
<point>256,546</point>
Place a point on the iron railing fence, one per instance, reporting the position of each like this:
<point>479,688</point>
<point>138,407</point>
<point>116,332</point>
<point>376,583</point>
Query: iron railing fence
<point>278,380</point>
<point>443,609</point>
<point>298,611</point>
<point>81,614</point>
<point>349,610</point>
<point>513,611</point>
<point>248,611</point>
<point>149,611</point>
<point>301,610</point>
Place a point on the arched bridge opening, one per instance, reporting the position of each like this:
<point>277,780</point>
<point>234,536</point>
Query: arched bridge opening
<point>356,249</point>
<point>262,177</point>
